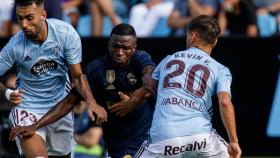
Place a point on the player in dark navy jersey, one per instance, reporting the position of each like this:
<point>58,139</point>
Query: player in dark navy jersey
<point>120,72</point>
<point>115,80</point>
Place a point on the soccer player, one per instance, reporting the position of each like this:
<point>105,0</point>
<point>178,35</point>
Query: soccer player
<point>43,52</point>
<point>115,80</point>
<point>181,125</point>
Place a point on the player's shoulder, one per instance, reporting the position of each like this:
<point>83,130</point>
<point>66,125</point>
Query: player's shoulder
<point>59,25</point>
<point>16,41</point>
<point>139,54</point>
<point>220,68</point>
<point>18,37</point>
<point>219,65</point>
<point>95,64</point>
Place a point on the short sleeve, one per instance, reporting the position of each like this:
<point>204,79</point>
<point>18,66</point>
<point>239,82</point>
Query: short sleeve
<point>7,59</point>
<point>224,81</point>
<point>73,47</point>
<point>143,59</point>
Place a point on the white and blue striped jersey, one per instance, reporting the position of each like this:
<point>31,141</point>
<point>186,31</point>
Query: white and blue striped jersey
<point>43,69</point>
<point>186,82</point>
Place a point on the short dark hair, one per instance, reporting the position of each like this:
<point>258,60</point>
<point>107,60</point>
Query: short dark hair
<point>123,29</point>
<point>206,27</point>
<point>28,2</point>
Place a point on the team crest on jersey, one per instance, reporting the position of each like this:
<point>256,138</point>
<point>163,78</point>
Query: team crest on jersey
<point>127,156</point>
<point>131,79</point>
<point>43,66</point>
<point>110,77</point>
<point>56,50</point>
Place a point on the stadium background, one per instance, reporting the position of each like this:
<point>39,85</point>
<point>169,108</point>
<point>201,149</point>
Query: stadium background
<point>254,64</point>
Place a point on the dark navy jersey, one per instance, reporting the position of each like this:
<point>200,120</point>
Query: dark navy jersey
<point>106,81</point>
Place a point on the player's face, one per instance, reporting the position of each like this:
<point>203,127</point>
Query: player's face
<point>31,19</point>
<point>121,49</point>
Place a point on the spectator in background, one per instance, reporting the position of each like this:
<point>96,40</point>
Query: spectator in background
<point>99,9</point>
<point>6,8</point>
<point>144,17</point>
<point>238,17</point>
<point>269,8</point>
<point>86,134</point>
<point>52,7</point>
<point>186,10</point>
<point>71,9</point>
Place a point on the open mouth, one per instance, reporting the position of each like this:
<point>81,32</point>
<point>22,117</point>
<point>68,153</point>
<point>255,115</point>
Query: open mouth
<point>27,31</point>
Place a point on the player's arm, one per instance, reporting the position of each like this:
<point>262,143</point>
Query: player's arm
<point>177,21</point>
<point>58,111</point>
<point>228,117</point>
<point>14,97</point>
<point>149,83</point>
<point>142,94</point>
<point>8,58</point>
<point>137,98</point>
<point>83,88</point>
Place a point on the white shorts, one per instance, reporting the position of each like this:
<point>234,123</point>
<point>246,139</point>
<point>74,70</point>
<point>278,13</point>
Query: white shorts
<point>58,135</point>
<point>193,146</point>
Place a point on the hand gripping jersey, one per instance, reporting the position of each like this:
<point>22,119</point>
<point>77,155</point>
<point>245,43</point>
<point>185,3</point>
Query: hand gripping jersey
<point>43,69</point>
<point>187,80</point>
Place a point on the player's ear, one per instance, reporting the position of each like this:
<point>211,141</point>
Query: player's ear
<point>216,41</point>
<point>43,15</point>
<point>134,47</point>
<point>193,37</point>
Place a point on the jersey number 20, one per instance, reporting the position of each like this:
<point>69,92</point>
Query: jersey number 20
<point>190,77</point>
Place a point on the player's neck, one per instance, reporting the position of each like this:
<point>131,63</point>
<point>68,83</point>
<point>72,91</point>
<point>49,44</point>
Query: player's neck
<point>204,48</point>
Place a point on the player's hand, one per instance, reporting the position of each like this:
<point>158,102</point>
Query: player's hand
<point>149,84</point>
<point>234,150</point>
<point>16,97</point>
<point>100,113</point>
<point>22,131</point>
<point>123,107</point>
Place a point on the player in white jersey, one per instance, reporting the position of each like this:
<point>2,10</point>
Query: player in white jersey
<point>42,52</point>
<point>181,125</point>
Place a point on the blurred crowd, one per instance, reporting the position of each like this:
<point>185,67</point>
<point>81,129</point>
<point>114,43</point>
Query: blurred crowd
<point>155,18</point>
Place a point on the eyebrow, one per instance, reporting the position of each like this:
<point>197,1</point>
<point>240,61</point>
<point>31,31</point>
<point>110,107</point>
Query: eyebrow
<point>25,16</point>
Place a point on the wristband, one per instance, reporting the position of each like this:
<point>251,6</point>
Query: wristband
<point>8,93</point>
